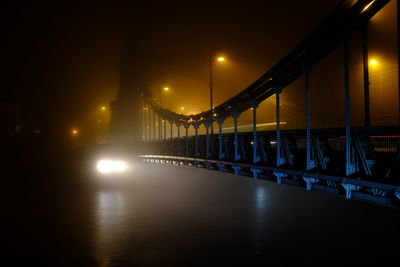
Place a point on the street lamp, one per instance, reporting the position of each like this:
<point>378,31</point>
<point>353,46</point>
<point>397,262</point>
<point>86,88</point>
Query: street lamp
<point>163,87</point>
<point>220,59</point>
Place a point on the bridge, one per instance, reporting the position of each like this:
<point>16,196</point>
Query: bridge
<point>300,166</point>
<point>354,161</point>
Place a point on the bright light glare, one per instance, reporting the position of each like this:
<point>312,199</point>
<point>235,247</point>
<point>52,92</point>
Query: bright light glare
<point>373,62</point>
<point>166,88</point>
<point>106,166</point>
<point>367,6</point>
<point>220,59</point>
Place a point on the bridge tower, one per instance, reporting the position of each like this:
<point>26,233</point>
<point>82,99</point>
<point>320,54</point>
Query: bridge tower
<point>125,122</point>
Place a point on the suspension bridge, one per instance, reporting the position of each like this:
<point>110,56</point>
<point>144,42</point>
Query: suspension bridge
<point>352,161</point>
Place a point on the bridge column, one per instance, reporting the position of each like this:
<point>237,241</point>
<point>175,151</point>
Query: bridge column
<point>235,116</point>
<point>154,125</point>
<point>187,148</point>
<point>145,121</point>
<point>165,129</point>
<point>159,128</point>
<point>279,159</point>
<point>178,125</point>
<point>350,167</point>
<point>196,140</point>
<point>310,164</point>
<point>256,157</point>
<point>171,123</point>
<point>398,56</point>
<point>367,118</point>
<point>148,123</point>
<point>207,124</point>
<point>221,154</point>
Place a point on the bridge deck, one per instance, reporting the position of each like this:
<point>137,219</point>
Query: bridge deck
<point>170,216</point>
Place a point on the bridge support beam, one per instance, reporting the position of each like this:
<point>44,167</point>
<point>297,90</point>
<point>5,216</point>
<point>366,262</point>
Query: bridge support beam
<point>350,166</point>
<point>279,176</point>
<point>178,149</point>
<point>367,117</point>
<point>196,140</point>
<point>279,159</point>
<point>235,116</point>
<point>165,129</point>
<point>221,154</point>
<point>310,164</point>
<point>159,128</point>
<point>187,148</point>
<point>171,123</point>
<point>350,188</point>
<point>145,122</point>
<point>309,181</point>
<point>208,150</point>
<point>256,156</point>
<point>154,125</point>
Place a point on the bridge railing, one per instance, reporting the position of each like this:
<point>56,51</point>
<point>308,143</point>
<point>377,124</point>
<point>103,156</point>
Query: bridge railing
<point>376,177</point>
<point>374,150</point>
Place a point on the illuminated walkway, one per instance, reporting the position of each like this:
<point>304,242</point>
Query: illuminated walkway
<point>168,216</point>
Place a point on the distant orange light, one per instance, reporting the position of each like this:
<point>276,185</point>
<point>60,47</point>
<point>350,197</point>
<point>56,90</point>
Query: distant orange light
<point>220,59</point>
<point>74,132</point>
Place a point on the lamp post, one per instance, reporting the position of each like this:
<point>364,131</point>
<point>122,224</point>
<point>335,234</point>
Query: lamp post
<point>163,87</point>
<point>220,59</point>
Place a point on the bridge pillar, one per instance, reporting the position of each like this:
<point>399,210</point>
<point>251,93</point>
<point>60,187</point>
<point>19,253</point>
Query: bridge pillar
<point>279,176</point>
<point>235,116</point>
<point>256,156</point>
<point>178,125</point>
<point>145,109</point>
<point>367,117</point>
<point>154,125</point>
<point>196,139</point>
<point>171,123</point>
<point>397,194</point>
<point>159,127</point>
<point>279,159</point>
<point>221,154</point>
<point>350,188</point>
<point>187,148</point>
<point>207,124</point>
<point>165,129</point>
<point>350,166</point>
<point>309,181</point>
<point>310,161</point>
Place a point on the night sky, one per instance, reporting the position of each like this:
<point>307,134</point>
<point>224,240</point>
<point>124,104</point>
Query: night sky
<point>61,62</point>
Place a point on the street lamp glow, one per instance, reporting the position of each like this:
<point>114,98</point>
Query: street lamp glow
<point>74,132</point>
<point>182,108</point>
<point>166,88</point>
<point>221,59</point>
<point>373,62</point>
<point>103,108</point>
